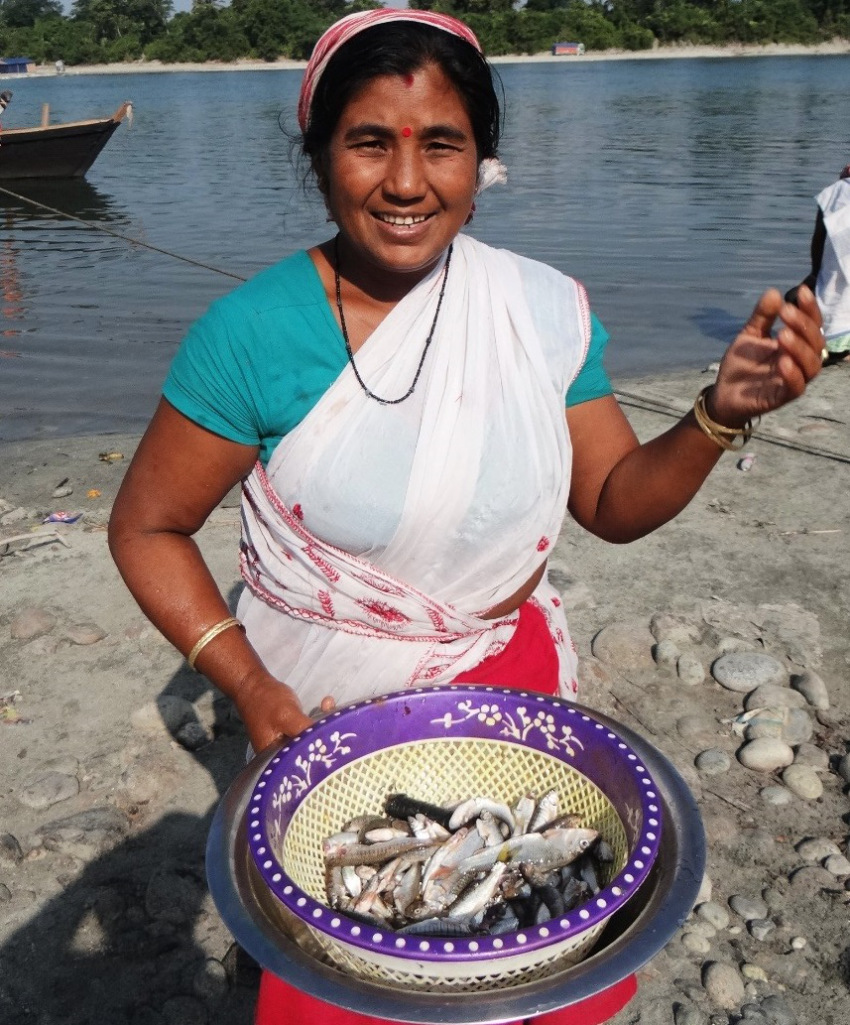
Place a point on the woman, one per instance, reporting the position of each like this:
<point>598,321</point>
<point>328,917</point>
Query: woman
<point>403,387</point>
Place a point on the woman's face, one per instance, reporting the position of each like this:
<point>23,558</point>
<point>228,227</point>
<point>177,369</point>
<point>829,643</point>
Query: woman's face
<point>400,172</point>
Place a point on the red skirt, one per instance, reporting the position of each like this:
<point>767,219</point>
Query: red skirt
<point>529,662</point>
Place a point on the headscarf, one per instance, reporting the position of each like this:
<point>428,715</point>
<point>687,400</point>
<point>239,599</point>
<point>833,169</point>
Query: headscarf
<point>351,25</point>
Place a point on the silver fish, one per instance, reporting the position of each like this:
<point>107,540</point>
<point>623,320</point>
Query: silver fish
<point>471,809</point>
<point>478,896</point>
<point>545,812</point>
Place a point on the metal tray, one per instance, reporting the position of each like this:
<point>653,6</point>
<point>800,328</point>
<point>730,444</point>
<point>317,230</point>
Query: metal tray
<point>632,937</point>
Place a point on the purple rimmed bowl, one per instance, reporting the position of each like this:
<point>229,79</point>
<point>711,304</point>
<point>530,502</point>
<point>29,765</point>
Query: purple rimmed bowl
<point>443,745</point>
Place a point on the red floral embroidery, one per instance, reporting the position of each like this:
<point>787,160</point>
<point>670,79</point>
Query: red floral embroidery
<point>574,686</point>
<point>381,610</point>
<point>543,544</point>
<point>559,635</point>
<point>322,563</point>
<point>437,620</point>
<point>432,672</point>
<point>384,586</point>
<point>326,603</point>
<point>556,602</point>
<point>298,511</point>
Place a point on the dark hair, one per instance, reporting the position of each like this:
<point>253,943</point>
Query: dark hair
<point>400,48</point>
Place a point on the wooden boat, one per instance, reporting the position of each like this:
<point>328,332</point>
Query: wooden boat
<point>56,151</point>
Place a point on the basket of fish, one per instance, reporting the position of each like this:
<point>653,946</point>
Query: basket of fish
<point>454,839</point>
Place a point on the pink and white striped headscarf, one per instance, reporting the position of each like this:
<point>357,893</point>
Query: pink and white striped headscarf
<point>346,28</point>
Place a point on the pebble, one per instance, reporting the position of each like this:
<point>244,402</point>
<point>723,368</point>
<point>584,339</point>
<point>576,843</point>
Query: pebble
<point>765,754</point>
<point>732,644</point>
<point>665,653</point>
<point>799,942</point>
<point>816,848</point>
<point>748,908</point>
<point>192,735</point>
<point>625,645</point>
<point>682,632</point>
<point>768,722</point>
<point>770,695</point>
<point>5,894</point>
<point>812,687</point>
<point>687,1014</point>
<point>813,879</point>
<point>753,1014</point>
<point>723,984</point>
<point>843,767</point>
<point>690,670</point>
<point>85,633</point>
<point>798,728</point>
<point>705,888</point>
<point>838,865</point>
<point>754,972</point>
<point>31,623</point>
<point>803,781</point>
<point>702,928</point>
<point>62,492</point>
<point>778,1012</point>
<point>713,913</point>
<point>695,943</point>
<point>811,754</point>
<point>761,928</point>
<point>744,671</point>
<point>776,796</point>
<point>10,849</point>
<point>48,788</point>
<point>713,762</point>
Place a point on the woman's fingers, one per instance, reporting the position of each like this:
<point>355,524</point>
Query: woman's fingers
<point>765,313</point>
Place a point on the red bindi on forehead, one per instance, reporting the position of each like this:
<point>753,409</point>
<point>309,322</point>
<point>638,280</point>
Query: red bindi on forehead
<point>408,79</point>
<point>407,132</point>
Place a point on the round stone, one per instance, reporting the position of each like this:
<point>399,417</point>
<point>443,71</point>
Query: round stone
<point>748,908</point>
<point>776,796</point>
<point>843,767</point>
<point>47,789</point>
<point>624,645</point>
<point>690,670</point>
<point>665,653</point>
<point>712,762</point>
<point>744,671</point>
<point>812,687</point>
<point>838,865</point>
<point>798,728</point>
<point>713,913</point>
<point>10,849</point>
<point>754,972</point>
<point>771,695</point>
<point>695,943</point>
<point>761,928</point>
<point>765,754</point>
<point>816,849</point>
<point>811,754</point>
<point>723,984</point>
<point>799,942</point>
<point>778,1012</point>
<point>803,781</point>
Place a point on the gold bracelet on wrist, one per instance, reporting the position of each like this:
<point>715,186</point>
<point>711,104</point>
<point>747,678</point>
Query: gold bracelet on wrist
<point>209,635</point>
<point>725,437</point>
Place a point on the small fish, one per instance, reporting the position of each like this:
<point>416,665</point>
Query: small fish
<point>472,808</point>
<point>377,853</point>
<point>545,812</point>
<point>478,896</point>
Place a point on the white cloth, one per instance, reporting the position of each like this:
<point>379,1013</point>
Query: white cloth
<point>833,283</point>
<point>379,533</point>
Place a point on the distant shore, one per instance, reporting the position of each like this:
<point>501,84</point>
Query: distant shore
<point>832,48</point>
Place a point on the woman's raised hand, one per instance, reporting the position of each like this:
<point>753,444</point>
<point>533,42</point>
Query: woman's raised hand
<point>271,712</point>
<point>762,371</point>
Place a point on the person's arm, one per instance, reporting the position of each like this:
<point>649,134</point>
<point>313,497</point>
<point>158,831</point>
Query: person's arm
<point>179,474</point>
<point>622,490</point>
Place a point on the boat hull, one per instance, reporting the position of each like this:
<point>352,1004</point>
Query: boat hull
<point>57,151</point>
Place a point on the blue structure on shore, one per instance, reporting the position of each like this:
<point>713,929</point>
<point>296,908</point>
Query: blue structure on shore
<point>15,65</point>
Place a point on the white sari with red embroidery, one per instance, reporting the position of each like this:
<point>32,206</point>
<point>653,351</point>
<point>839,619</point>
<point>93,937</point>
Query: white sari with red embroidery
<point>378,534</point>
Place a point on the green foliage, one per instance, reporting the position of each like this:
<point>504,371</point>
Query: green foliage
<point>116,30</point>
<point>25,13</point>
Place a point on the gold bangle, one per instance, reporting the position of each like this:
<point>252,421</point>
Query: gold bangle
<point>725,437</point>
<point>208,636</point>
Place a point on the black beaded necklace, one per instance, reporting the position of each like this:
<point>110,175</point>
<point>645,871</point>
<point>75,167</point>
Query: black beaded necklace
<point>360,381</point>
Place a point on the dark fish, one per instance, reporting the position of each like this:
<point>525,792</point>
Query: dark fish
<point>400,806</point>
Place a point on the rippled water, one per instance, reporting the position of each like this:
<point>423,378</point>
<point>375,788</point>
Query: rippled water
<point>676,190</point>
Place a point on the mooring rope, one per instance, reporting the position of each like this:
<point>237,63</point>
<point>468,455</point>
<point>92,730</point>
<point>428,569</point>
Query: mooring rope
<point>626,398</point>
<point>124,238</point>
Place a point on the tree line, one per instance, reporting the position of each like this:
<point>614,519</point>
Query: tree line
<point>106,31</point>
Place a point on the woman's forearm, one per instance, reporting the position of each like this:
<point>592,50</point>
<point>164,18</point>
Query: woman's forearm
<point>654,482</point>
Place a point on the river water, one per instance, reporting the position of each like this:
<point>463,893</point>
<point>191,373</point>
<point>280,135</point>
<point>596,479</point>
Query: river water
<point>675,190</point>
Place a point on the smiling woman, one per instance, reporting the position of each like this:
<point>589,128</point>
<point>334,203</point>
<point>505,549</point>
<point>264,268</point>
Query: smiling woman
<point>393,400</point>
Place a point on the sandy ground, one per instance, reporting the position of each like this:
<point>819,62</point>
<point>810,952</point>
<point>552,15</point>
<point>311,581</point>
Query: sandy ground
<point>113,755</point>
<point>836,46</point>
